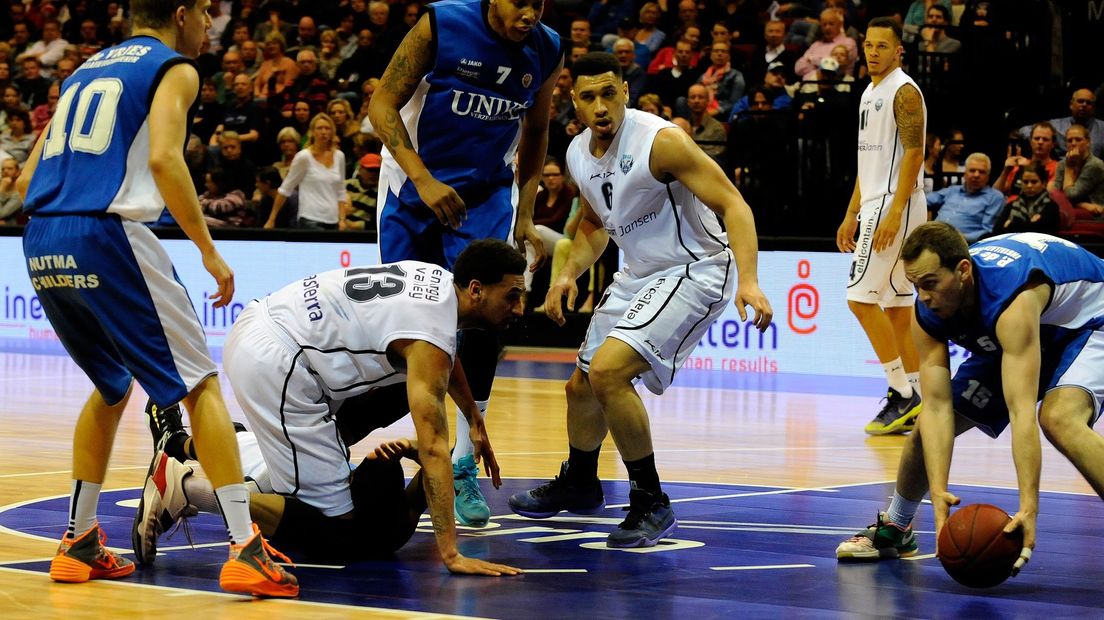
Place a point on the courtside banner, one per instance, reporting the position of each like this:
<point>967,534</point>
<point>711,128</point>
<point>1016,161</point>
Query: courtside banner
<point>813,331</point>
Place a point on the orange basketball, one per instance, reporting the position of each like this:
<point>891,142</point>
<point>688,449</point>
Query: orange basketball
<point>974,549</point>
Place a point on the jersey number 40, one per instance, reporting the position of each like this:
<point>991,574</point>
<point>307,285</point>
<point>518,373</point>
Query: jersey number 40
<point>92,125</point>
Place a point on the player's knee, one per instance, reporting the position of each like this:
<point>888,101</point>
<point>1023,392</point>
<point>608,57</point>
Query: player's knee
<point>859,308</point>
<point>606,379</point>
<point>1062,421</point>
<point>578,387</point>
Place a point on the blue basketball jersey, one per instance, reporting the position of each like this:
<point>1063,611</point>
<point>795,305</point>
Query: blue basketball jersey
<point>95,156</point>
<point>465,117</point>
<point>1003,266</point>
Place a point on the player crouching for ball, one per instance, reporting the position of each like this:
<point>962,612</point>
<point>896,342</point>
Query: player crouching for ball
<point>1030,309</point>
<point>297,357</point>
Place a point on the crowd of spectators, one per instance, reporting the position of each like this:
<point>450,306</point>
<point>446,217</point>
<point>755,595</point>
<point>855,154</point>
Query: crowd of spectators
<point>281,138</point>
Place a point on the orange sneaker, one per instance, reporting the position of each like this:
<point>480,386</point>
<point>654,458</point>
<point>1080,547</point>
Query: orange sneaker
<point>85,557</point>
<point>250,570</point>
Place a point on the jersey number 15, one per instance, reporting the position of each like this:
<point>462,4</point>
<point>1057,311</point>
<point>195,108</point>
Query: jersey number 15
<point>94,121</point>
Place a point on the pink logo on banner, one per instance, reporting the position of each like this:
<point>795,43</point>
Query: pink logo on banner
<point>803,302</point>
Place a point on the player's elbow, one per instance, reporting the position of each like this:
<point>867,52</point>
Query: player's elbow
<point>161,162</point>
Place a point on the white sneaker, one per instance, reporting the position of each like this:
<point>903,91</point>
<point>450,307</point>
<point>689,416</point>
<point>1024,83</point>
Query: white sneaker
<point>163,503</point>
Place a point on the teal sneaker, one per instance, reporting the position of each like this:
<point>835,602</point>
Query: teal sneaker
<point>881,541</point>
<point>471,506</point>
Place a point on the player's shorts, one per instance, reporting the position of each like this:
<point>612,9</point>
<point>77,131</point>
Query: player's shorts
<point>662,316</point>
<point>289,412</point>
<point>412,232</point>
<point>879,277</point>
<point>1074,362</point>
<point>112,296</point>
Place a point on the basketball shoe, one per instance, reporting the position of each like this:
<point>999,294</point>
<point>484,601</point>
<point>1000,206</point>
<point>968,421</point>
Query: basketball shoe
<point>881,541</point>
<point>897,416</point>
<point>250,570</point>
<point>471,506</point>
<point>561,493</point>
<point>163,503</point>
<point>650,519</point>
<point>86,557</point>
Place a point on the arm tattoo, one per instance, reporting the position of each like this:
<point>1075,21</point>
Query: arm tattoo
<point>438,505</point>
<point>908,109</point>
<point>401,78</point>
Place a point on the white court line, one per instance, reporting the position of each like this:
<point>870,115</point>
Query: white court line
<point>763,567</point>
<point>64,471</point>
<point>926,556</point>
<point>531,571</point>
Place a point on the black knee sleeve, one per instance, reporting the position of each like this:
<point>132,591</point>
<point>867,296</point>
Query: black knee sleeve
<point>364,413</point>
<point>478,350</point>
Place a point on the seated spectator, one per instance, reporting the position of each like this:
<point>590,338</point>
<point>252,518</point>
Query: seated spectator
<point>1082,112</point>
<point>551,208</point>
<point>724,84</point>
<point>828,73</point>
<point>1081,174</point>
<point>933,147</point>
<point>773,92</point>
<point>1042,151</point>
<point>329,54</point>
<point>18,139</point>
<point>973,207</point>
<point>362,190</point>
<point>268,184</point>
<point>11,203</point>
<point>627,29</point>
<point>933,37</point>
<point>647,32</point>
<point>289,142</point>
<point>318,172</point>
<point>40,116</point>
<point>951,165</point>
<point>625,51</point>
<point>242,116</point>
<point>197,156</point>
<point>831,35</point>
<point>32,85</point>
<point>1033,210</point>
<point>49,50</point>
<point>347,129</point>
<point>310,85</point>
<point>772,50</point>
<point>665,57</point>
<point>367,89</point>
<point>240,171</point>
<point>224,207</point>
<point>917,15</point>
<point>673,81</point>
<point>277,71</point>
<point>703,127</point>
<point>652,104</point>
<point>210,113</point>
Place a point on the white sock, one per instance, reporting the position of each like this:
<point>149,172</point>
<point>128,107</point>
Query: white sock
<point>82,506</point>
<point>464,445</point>
<point>895,375</point>
<point>901,511</point>
<point>201,494</point>
<point>233,501</point>
<point>914,381</point>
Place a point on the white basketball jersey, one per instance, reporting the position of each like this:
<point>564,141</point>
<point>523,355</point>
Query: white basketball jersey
<point>657,225</point>
<point>880,148</point>
<point>344,319</point>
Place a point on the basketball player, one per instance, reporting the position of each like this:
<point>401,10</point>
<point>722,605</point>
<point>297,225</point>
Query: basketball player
<point>469,86</point>
<point>336,335</point>
<point>111,159</point>
<point>644,183</point>
<point>1030,309</point>
<point>386,509</point>
<point>888,203</point>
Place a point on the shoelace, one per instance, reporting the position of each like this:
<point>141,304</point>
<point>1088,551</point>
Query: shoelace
<point>270,549</point>
<point>548,487</point>
<point>105,556</point>
<point>468,488</point>
<point>635,517</point>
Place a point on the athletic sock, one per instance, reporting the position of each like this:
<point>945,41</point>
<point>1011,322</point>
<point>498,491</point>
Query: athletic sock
<point>895,375</point>
<point>464,445</point>
<point>233,502</point>
<point>914,381</point>
<point>643,475</point>
<point>82,506</point>
<point>582,465</point>
<point>901,511</point>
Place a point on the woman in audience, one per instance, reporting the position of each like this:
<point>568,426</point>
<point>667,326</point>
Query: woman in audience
<point>1081,174</point>
<point>347,129</point>
<point>288,141</point>
<point>17,139</point>
<point>318,172</point>
<point>222,208</point>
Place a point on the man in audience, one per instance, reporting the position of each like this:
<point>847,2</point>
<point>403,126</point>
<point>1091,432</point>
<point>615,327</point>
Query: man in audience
<point>831,35</point>
<point>972,207</point>
<point>706,130</point>
<point>1082,112</point>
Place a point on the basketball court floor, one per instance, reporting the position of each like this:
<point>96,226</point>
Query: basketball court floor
<point>767,474</point>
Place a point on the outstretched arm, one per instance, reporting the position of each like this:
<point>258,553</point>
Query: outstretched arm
<point>938,424</point>
<point>674,154</point>
<point>428,370</point>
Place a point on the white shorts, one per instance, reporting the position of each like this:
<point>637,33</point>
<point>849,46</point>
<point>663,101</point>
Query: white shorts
<point>662,316</point>
<point>289,413</point>
<point>879,277</point>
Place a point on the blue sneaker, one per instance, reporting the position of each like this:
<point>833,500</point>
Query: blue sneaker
<point>550,498</point>
<point>471,506</point>
<point>649,520</point>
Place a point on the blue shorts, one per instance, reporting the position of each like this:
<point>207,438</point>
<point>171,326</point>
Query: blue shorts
<point>112,296</point>
<point>412,232</point>
<point>1072,361</point>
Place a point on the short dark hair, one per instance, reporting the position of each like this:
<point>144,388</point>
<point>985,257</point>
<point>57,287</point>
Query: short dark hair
<point>596,63</point>
<point>887,22</point>
<point>487,260</point>
<point>942,10</point>
<point>270,175</point>
<point>1039,169</point>
<point>942,239</point>
<point>156,13</point>
<point>220,178</point>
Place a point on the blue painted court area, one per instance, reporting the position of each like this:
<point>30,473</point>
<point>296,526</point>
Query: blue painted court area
<point>748,551</point>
